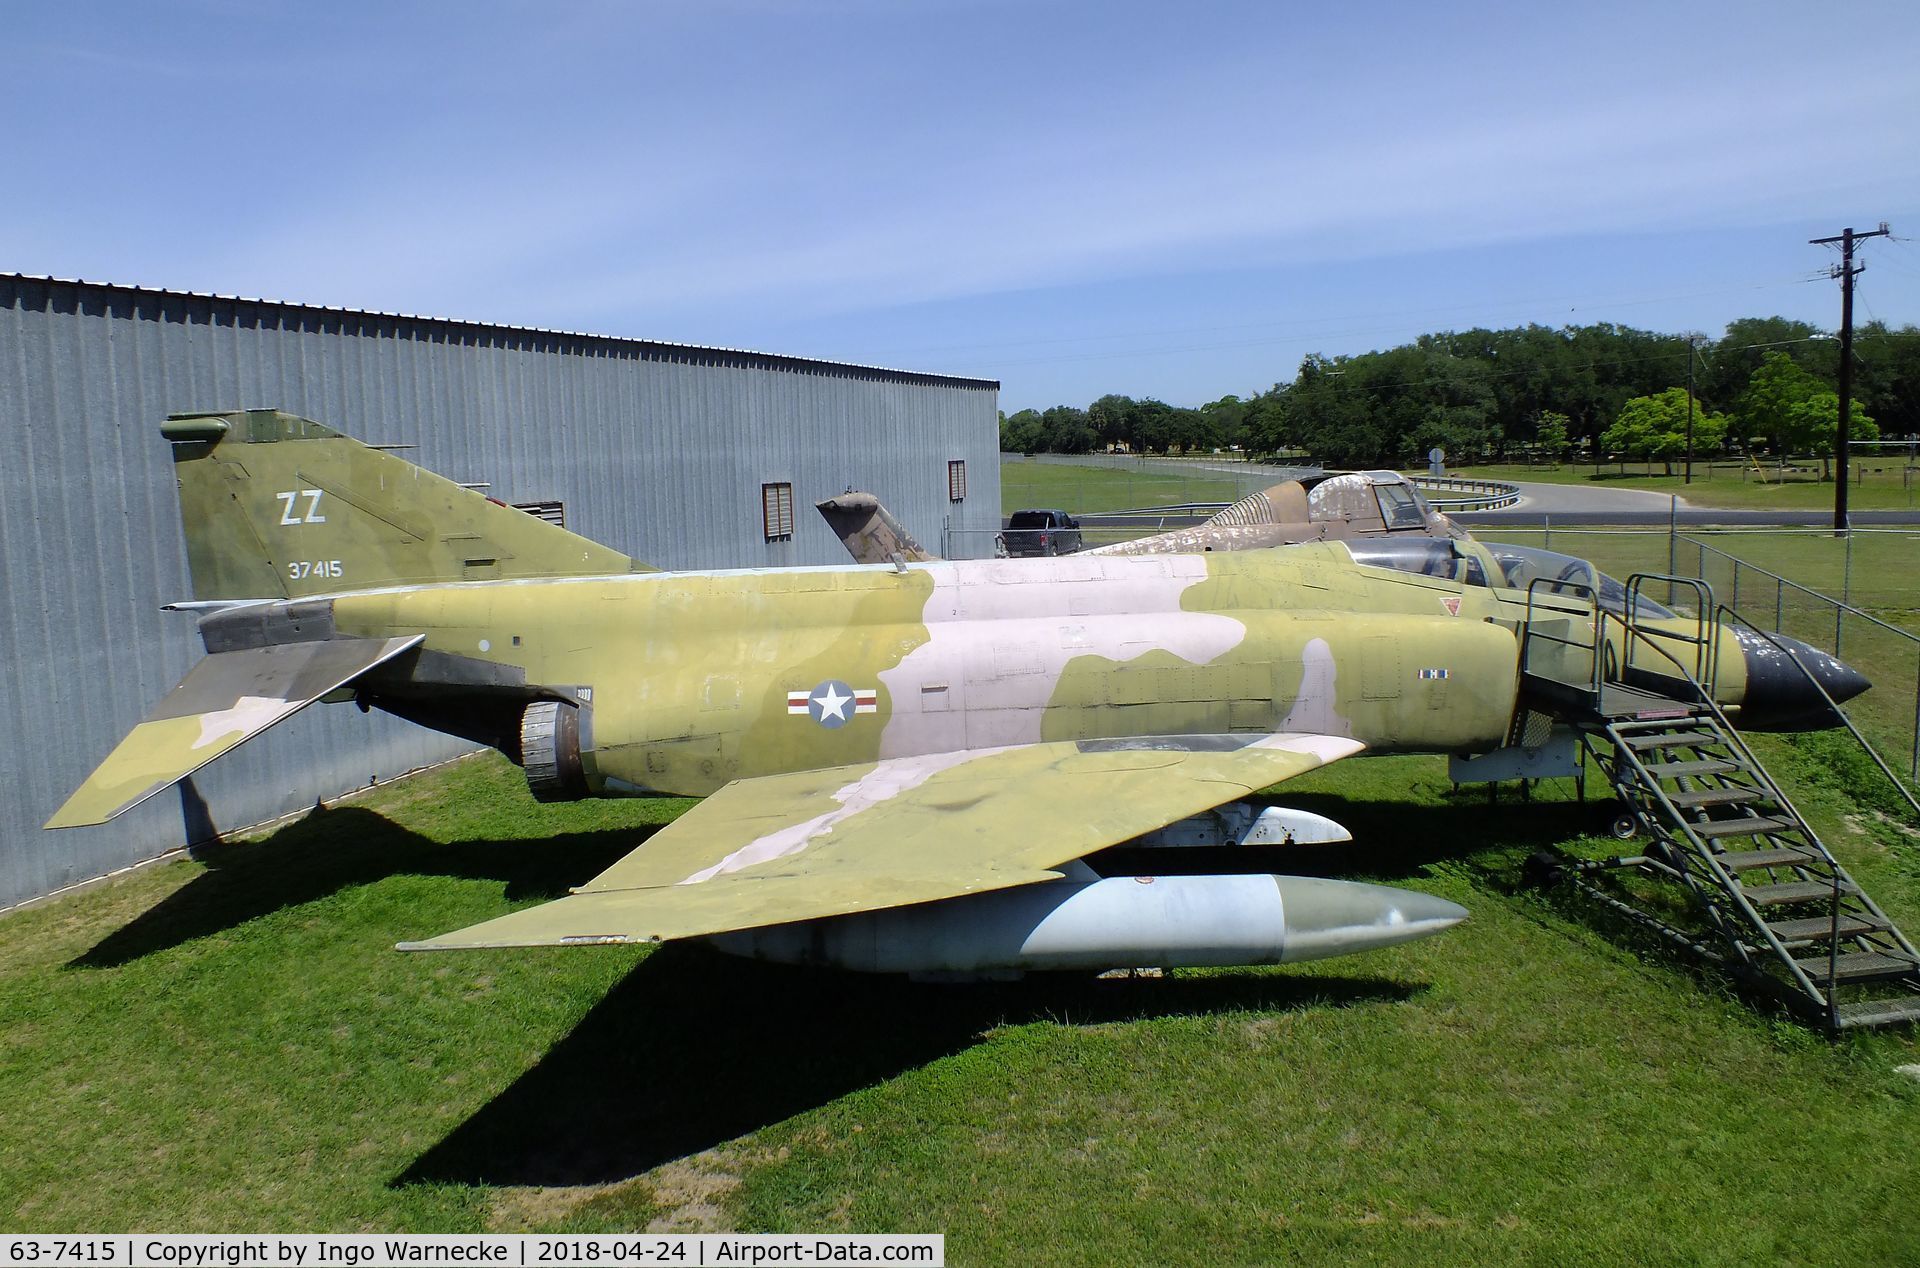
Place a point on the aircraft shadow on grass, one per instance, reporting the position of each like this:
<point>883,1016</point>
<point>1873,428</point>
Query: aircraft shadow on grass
<point>1393,841</point>
<point>327,851</point>
<point>694,1048</point>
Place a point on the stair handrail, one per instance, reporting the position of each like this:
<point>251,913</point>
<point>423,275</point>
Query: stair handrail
<point>1739,744</point>
<point>1577,589</point>
<point>1833,942</point>
<point>1706,625</point>
<point>1832,704</point>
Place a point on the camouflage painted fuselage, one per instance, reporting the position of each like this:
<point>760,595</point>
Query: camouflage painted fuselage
<point>693,680</point>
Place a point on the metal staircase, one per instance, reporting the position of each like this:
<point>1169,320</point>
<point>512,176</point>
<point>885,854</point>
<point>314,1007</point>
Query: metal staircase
<point>1742,878</point>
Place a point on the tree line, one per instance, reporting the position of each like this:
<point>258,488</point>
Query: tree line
<point>1768,385</point>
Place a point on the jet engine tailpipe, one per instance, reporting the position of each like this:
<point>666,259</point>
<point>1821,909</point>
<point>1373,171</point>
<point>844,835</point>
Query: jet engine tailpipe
<point>1120,922</point>
<point>550,751</point>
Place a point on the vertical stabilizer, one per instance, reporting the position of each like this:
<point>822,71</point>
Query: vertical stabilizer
<point>275,506</point>
<point>869,531</point>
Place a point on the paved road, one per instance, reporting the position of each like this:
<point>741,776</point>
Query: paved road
<point>1573,504</point>
<point>1554,499</point>
<point>1522,517</point>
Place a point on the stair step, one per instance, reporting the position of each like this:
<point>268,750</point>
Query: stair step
<point>1669,739</point>
<point>1879,1012</point>
<point>1704,766</point>
<point>1747,825</point>
<point>1731,795</point>
<point>1857,966</point>
<point>1794,892</point>
<point>1818,928</point>
<point>1747,861</point>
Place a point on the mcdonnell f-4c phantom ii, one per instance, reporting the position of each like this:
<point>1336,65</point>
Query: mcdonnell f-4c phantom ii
<point>906,767</point>
<point>1340,507</point>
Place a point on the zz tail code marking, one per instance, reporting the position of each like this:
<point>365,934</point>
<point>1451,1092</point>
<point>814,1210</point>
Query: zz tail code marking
<point>290,516</point>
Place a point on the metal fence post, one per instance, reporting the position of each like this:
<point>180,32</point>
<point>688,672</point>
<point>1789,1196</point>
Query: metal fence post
<point>1913,768</point>
<point>1673,537</point>
<point>1779,602</point>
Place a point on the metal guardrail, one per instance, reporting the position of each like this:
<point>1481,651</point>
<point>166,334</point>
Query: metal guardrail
<point>1477,495</point>
<point>1152,512</point>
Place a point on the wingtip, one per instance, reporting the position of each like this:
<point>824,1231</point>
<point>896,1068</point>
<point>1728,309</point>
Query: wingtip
<point>74,814</point>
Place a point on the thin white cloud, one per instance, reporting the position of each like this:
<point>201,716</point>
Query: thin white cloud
<point>582,176</point>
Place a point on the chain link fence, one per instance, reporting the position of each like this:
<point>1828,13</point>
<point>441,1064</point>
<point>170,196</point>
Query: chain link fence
<point>1857,597</point>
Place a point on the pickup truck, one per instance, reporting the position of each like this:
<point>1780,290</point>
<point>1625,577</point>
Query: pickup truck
<point>1041,533</point>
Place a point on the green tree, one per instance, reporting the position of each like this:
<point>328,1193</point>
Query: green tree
<point>1814,423</point>
<point>1655,428</point>
<point>1887,375</point>
<point>1724,374</point>
<point>1153,427</point>
<point>1268,426</point>
<point>1774,396</point>
<point>1023,433</point>
<point>1067,430</point>
<point>1550,434</point>
<point>1111,418</point>
<point>1227,421</point>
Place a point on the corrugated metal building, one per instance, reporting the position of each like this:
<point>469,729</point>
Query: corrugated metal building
<point>659,450</point>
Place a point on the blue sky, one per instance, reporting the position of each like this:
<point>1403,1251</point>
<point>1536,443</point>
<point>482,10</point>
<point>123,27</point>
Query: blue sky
<point>1177,200</point>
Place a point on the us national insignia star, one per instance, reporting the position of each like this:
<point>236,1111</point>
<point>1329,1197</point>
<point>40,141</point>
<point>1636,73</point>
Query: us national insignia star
<point>833,703</point>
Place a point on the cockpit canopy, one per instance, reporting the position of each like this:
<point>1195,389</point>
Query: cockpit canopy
<point>1354,496</point>
<point>1518,568</point>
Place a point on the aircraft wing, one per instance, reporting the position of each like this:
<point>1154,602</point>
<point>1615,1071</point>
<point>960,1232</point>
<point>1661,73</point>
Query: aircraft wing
<point>227,698</point>
<point>892,833</point>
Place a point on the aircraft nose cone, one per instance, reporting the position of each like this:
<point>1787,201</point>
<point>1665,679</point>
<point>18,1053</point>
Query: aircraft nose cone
<point>1779,697</point>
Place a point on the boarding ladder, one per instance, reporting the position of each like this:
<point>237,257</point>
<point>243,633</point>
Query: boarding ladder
<point>1740,877</point>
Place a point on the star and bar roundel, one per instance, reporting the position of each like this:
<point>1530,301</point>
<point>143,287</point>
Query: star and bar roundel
<point>833,703</point>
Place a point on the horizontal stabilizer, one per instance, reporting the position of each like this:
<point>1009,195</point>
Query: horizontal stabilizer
<point>226,699</point>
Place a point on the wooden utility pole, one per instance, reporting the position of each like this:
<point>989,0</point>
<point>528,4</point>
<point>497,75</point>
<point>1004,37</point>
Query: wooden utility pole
<point>1846,271</point>
<point>1689,479</point>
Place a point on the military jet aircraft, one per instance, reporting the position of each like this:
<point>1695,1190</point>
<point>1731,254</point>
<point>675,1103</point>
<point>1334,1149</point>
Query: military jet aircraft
<point>1319,508</point>
<point>906,767</point>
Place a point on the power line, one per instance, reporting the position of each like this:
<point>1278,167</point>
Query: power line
<point>1402,320</point>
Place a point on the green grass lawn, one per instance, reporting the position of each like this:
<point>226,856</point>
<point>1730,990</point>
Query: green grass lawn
<point>231,1044</point>
<point>1881,484</point>
<point>1026,483</point>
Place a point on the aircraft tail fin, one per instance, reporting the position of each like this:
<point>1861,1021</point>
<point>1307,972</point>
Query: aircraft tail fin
<point>275,506</point>
<point>869,531</point>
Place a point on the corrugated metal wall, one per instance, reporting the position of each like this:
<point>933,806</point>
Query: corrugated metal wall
<point>658,450</point>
